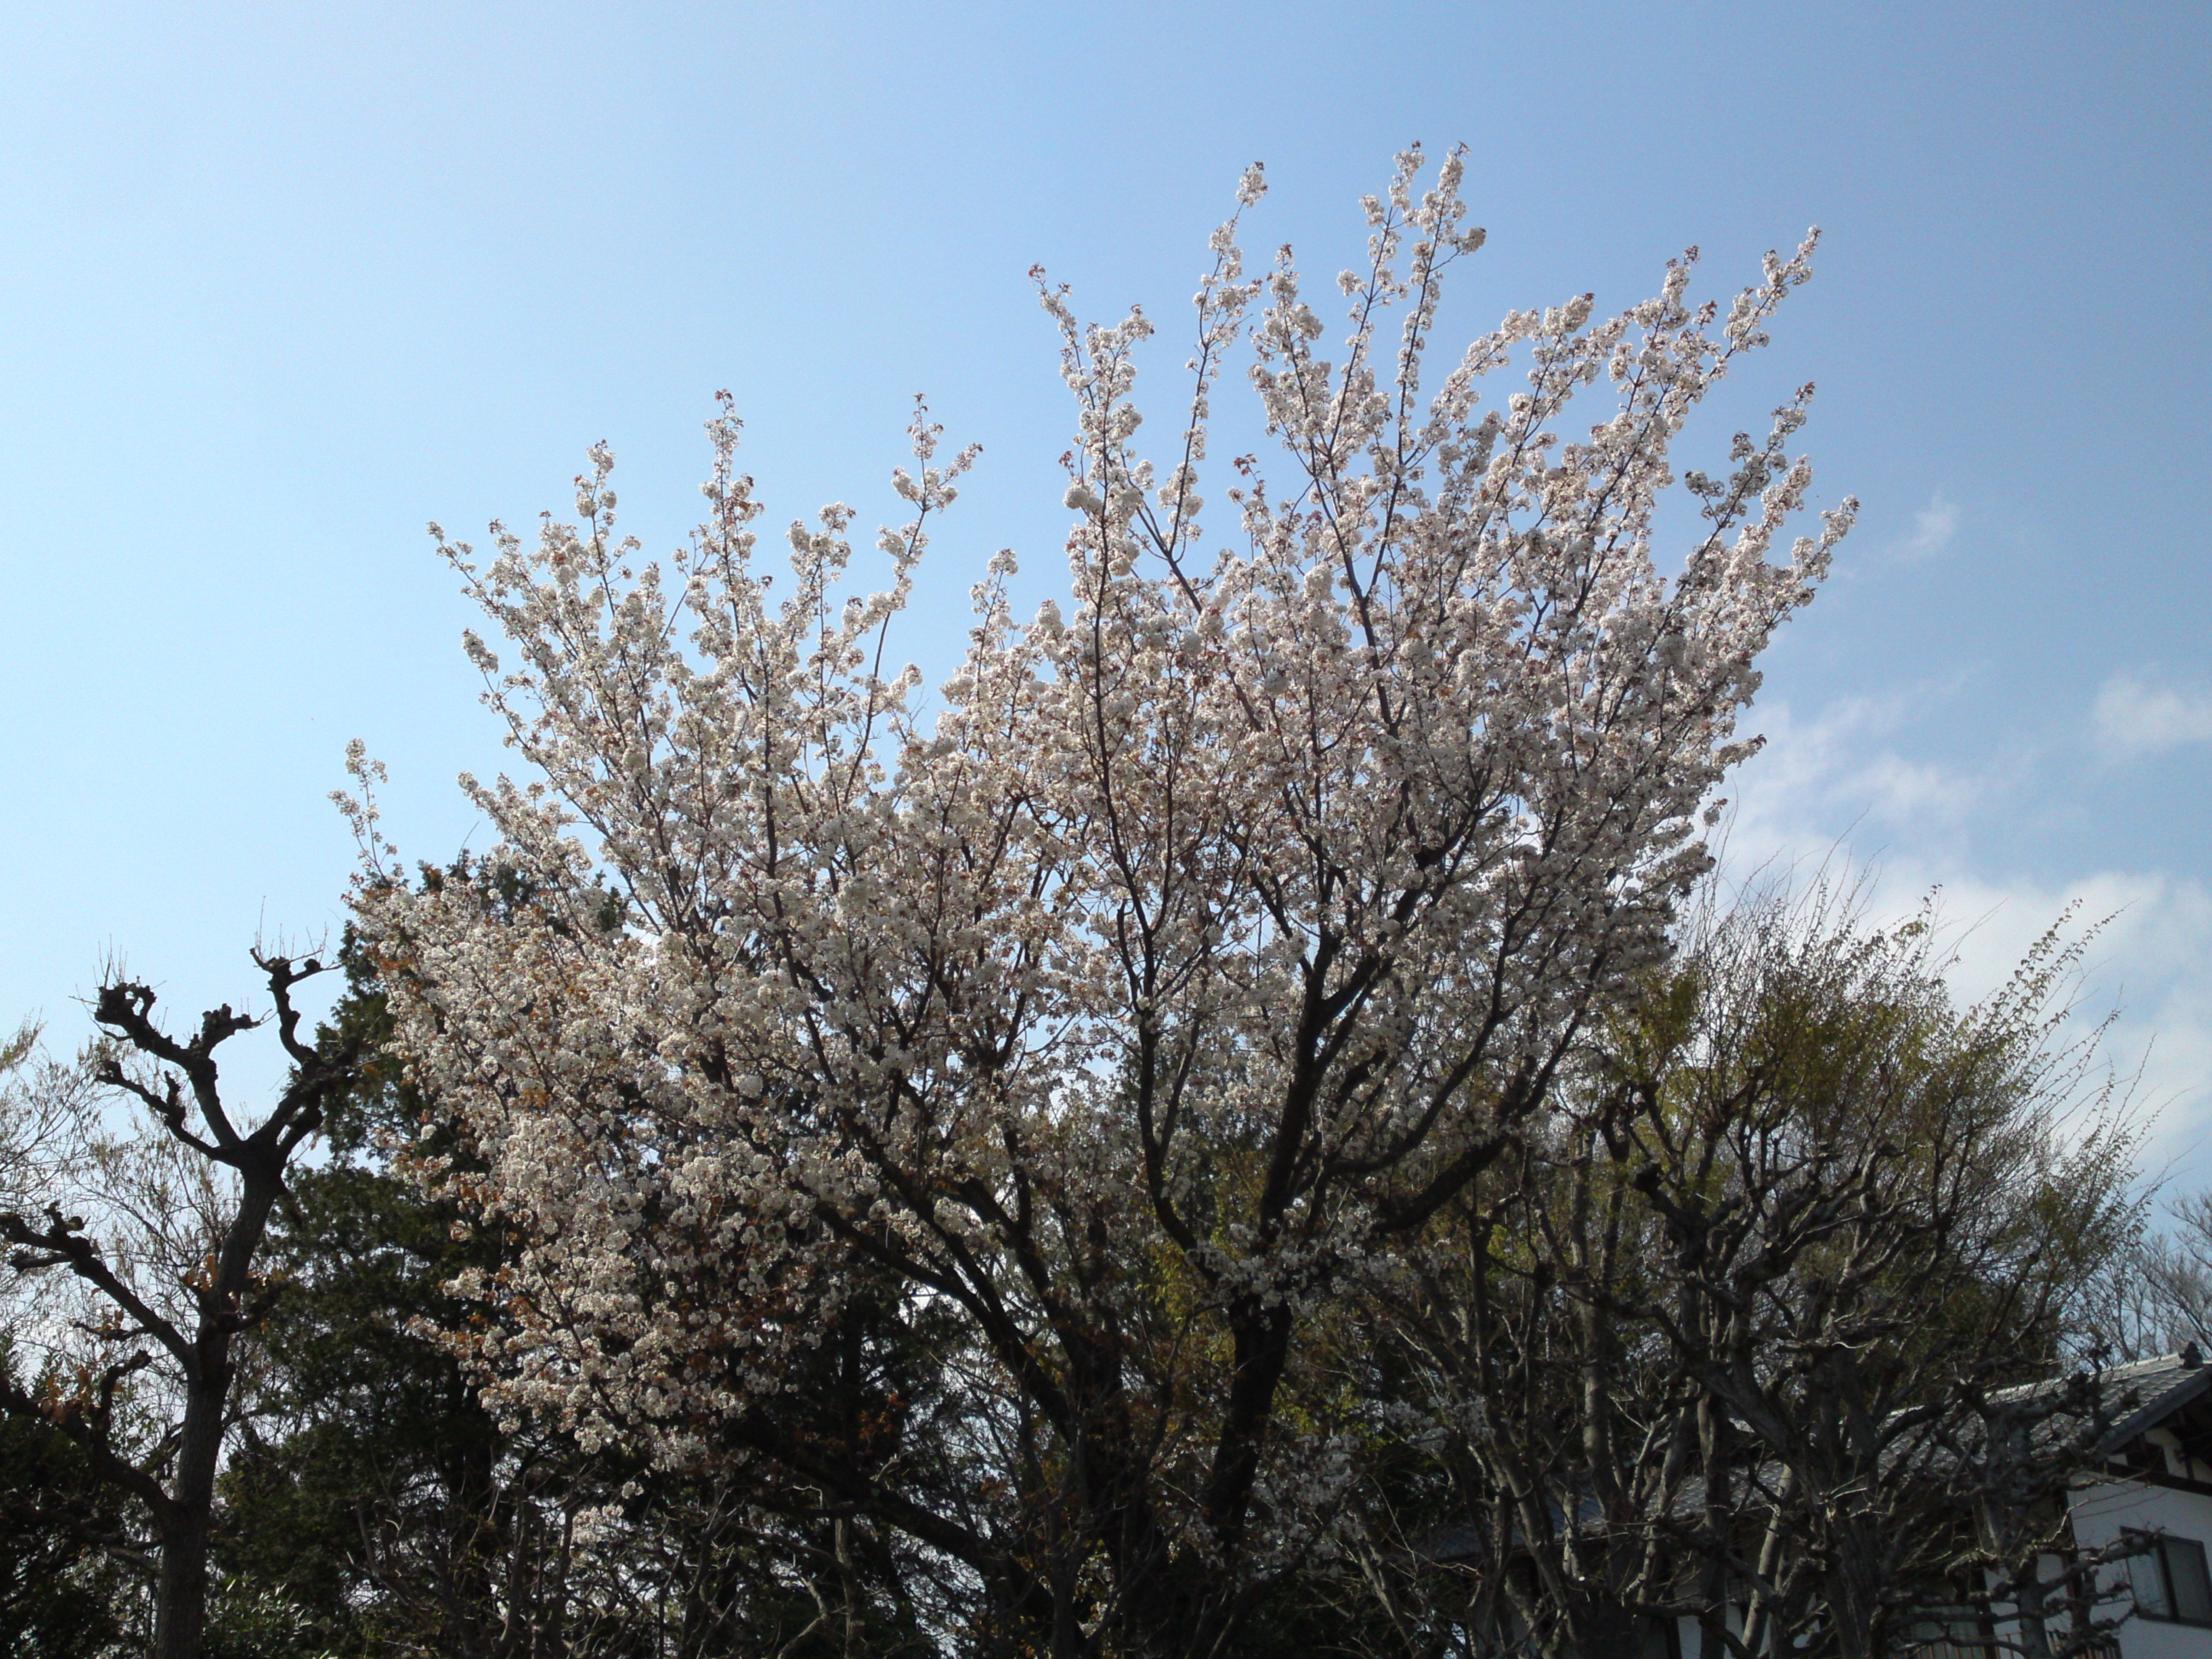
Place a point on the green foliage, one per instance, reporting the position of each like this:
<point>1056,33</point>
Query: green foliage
<point>64,1592</point>
<point>1798,1216</point>
<point>378,1442</point>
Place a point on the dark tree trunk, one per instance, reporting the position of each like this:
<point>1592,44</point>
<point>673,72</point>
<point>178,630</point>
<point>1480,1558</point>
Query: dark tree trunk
<point>181,1594</point>
<point>180,1604</point>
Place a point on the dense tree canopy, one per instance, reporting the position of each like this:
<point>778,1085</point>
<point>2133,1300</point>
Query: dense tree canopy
<point>1242,1133</point>
<point>1147,1004</point>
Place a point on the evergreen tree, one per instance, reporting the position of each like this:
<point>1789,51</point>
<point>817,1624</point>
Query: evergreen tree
<point>66,1590</point>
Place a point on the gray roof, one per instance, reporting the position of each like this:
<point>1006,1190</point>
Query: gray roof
<point>2136,1397</point>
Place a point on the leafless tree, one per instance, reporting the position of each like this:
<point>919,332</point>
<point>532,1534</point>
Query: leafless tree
<point>2157,1297</point>
<point>168,1280</point>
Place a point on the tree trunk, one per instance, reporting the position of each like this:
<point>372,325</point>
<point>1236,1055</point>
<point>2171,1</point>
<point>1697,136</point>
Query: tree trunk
<point>2031,1630</point>
<point>1597,1630</point>
<point>181,1616</point>
<point>180,1604</point>
<point>180,1609</point>
<point>848,1585</point>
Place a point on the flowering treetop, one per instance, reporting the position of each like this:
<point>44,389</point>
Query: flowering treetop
<point>1163,985</point>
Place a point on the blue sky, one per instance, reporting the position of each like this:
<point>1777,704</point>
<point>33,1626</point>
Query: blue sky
<point>282,284</point>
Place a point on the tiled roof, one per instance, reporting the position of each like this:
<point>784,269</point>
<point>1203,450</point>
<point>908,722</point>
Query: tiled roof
<point>2136,1397</point>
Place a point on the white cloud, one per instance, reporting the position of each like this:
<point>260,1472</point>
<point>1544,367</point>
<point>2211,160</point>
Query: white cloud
<point>1903,792</point>
<point>2149,969</point>
<point>1830,794</point>
<point>1933,528</point>
<point>2135,718</point>
<point>1837,771</point>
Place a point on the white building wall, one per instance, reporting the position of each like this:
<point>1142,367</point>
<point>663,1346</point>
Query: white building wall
<point>2102,1513</point>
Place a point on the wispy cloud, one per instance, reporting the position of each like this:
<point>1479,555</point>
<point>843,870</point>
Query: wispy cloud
<point>2147,971</point>
<point>1833,794</point>
<point>1933,529</point>
<point>2135,718</point>
<point>1841,769</point>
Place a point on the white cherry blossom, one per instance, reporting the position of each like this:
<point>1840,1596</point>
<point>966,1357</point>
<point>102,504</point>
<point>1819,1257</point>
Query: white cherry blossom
<point>1148,1001</point>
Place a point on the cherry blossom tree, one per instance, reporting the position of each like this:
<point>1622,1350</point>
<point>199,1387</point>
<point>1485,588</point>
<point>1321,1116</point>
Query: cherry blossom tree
<point>1136,1010</point>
